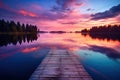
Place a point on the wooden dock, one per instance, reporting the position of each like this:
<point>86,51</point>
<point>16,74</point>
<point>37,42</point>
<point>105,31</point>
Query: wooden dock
<point>60,65</point>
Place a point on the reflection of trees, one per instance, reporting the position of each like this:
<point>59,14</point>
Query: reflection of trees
<point>104,32</point>
<point>7,39</point>
<point>105,36</point>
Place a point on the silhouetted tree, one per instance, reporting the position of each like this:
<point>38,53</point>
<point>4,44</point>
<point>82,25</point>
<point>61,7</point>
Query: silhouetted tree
<point>6,26</point>
<point>23,28</point>
<point>84,31</point>
<point>13,26</point>
<point>18,27</point>
<point>104,32</point>
<point>111,29</point>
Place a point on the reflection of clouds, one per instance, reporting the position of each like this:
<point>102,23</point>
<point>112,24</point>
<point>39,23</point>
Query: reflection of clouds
<point>69,40</point>
<point>27,50</point>
<point>87,54</point>
<point>75,40</point>
<point>13,51</point>
<point>5,54</point>
<point>36,51</point>
<point>111,53</point>
<point>40,53</point>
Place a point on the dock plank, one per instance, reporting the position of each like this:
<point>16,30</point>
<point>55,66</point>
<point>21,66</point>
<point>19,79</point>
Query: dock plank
<point>60,65</point>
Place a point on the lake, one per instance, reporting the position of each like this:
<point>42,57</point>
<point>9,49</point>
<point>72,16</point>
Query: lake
<point>21,54</point>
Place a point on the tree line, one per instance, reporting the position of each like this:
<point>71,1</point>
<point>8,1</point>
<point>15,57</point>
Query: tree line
<point>12,27</point>
<point>110,32</point>
<point>110,29</point>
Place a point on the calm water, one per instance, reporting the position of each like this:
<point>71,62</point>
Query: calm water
<point>20,55</point>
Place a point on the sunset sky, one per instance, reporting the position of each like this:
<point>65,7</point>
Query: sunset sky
<point>66,15</point>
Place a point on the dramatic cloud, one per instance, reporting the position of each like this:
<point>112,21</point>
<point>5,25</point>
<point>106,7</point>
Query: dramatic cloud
<point>112,12</point>
<point>66,5</point>
<point>59,14</point>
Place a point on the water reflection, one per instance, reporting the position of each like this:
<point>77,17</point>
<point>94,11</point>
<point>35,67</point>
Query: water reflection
<point>104,36</point>
<point>109,52</point>
<point>100,57</point>
<point>6,39</point>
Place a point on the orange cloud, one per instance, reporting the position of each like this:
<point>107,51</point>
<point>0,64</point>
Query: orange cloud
<point>27,50</point>
<point>27,13</point>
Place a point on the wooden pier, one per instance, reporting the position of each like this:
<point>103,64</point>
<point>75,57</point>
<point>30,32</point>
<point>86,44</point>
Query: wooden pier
<point>60,65</point>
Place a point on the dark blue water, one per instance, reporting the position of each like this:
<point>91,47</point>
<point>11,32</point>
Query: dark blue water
<point>100,66</point>
<point>18,63</point>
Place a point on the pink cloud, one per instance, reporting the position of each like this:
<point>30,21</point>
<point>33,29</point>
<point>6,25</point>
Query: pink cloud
<point>27,50</point>
<point>27,13</point>
<point>72,19</point>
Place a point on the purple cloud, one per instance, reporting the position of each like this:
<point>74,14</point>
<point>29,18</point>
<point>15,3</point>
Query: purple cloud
<point>8,12</point>
<point>112,12</point>
<point>90,9</point>
<point>66,5</point>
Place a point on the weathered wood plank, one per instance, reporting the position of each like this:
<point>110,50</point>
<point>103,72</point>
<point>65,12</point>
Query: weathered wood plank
<point>60,65</point>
